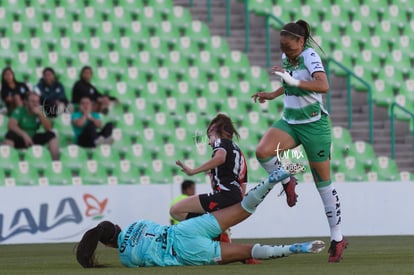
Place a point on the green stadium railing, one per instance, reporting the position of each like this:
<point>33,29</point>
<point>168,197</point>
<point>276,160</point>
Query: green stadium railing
<point>350,75</point>
<point>393,106</point>
<point>228,21</point>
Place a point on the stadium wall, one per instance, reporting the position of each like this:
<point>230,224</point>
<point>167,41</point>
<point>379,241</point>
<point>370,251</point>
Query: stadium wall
<point>46,214</point>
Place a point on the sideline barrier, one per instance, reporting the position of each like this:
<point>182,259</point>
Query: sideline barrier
<point>63,214</point>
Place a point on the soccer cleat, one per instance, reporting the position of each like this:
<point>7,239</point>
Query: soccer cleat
<point>336,249</point>
<point>289,189</point>
<point>251,261</point>
<point>307,247</point>
<point>289,185</point>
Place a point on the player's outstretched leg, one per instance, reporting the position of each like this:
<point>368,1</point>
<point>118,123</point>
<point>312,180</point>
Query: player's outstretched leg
<point>256,195</point>
<point>264,252</point>
<point>236,213</point>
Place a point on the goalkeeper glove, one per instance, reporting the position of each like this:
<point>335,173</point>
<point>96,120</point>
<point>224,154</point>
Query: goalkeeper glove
<point>288,78</point>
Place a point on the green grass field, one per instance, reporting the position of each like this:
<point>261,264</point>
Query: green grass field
<point>365,255</point>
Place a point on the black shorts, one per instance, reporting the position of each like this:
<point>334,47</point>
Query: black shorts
<point>38,138</point>
<point>222,199</point>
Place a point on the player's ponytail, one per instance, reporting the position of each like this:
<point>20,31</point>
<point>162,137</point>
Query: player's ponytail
<point>305,28</point>
<point>105,232</point>
<point>307,35</point>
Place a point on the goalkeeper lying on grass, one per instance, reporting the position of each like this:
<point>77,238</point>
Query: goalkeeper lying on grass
<point>145,243</point>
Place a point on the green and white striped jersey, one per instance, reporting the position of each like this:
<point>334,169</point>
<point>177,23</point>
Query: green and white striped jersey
<point>302,106</point>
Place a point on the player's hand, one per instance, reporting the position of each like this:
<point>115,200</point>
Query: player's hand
<point>262,97</point>
<point>287,78</point>
<point>185,168</point>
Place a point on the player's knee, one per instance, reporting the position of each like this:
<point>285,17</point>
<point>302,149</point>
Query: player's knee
<point>262,153</point>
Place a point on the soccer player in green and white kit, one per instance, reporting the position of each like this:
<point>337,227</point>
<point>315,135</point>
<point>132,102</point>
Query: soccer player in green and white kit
<point>305,121</point>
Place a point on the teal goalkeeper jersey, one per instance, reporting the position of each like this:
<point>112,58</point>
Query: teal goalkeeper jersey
<point>302,106</point>
<point>145,243</point>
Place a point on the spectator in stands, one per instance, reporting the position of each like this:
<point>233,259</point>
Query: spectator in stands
<point>24,124</point>
<point>305,122</point>
<point>52,93</point>
<point>145,243</point>
<point>187,190</point>
<point>12,91</point>
<point>86,123</point>
<point>84,88</point>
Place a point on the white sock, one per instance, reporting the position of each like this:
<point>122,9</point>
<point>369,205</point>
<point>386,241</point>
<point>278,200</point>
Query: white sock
<point>332,206</point>
<point>257,194</point>
<point>272,164</point>
<point>264,252</point>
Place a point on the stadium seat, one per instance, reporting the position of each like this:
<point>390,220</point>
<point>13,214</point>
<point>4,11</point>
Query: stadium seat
<point>180,17</point>
<point>351,170</point>
<point>4,120</point>
<point>23,175</point>
<point>218,46</point>
<point>160,172</point>
<point>170,153</point>
<point>157,47</point>
<point>401,100</point>
<point>363,73</point>
<point>256,173</point>
<point>258,79</point>
<point>147,62</point>
<point>38,157</point>
<point>9,157</point>
<point>165,78</point>
<point>163,6</point>
<point>63,128</point>
<point>226,77</point>
<point>195,78</point>
<point>184,95</point>
<point>57,175</point>
<point>106,156</point>
<point>311,14</point>
<point>364,152</point>
<point>91,173</point>
<point>176,63</point>
<point>261,7</point>
<point>187,47</point>
<point>139,156</point>
<point>126,173</point>
<point>150,17</point>
<point>238,62</point>
<point>406,176</point>
<point>73,157</point>
<point>383,92</point>
<point>385,168</point>
<point>199,32</point>
<point>129,125</point>
<point>341,138</point>
<point>137,33</point>
<point>206,62</point>
<point>136,80</point>
<point>337,157</point>
<point>169,33</point>
<point>185,138</point>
